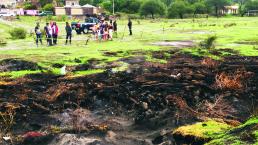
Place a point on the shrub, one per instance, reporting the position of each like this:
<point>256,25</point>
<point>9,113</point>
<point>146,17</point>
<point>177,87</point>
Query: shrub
<point>209,42</point>
<point>3,42</point>
<point>29,6</point>
<point>49,18</point>
<point>152,7</point>
<point>48,7</point>
<point>62,18</point>
<point>179,9</point>
<point>18,33</point>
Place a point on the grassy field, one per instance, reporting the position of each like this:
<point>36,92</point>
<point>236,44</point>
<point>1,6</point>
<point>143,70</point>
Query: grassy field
<point>239,34</point>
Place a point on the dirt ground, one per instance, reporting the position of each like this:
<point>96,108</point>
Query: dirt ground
<point>141,105</point>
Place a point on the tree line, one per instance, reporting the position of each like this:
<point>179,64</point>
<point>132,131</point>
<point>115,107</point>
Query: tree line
<point>173,8</point>
<point>163,8</point>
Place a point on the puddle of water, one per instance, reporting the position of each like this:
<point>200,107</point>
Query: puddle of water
<point>177,44</point>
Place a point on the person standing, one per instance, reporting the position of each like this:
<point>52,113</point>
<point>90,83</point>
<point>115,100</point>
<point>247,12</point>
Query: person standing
<point>55,33</point>
<point>130,24</point>
<point>68,30</point>
<point>110,31</point>
<point>48,31</point>
<point>115,28</point>
<point>38,34</point>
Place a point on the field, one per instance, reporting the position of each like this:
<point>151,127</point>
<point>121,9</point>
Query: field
<point>135,89</point>
<point>238,34</point>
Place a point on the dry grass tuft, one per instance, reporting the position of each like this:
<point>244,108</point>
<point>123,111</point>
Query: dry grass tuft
<point>7,116</point>
<point>220,108</point>
<point>233,81</point>
<point>210,63</point>
<point>55,91</point>
<point>181,104</point>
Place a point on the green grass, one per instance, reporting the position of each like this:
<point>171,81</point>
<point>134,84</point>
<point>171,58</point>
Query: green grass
<point>17,74</point>
<point>236,138</point>
<point>221,133</point>
<point>145,33</point>
<point>87,72</point>
<point>203,130</point>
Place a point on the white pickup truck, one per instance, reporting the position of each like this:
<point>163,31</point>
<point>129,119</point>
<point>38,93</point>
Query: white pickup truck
<point>6,14</point>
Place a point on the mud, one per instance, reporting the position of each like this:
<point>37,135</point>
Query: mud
<point>139,106</point>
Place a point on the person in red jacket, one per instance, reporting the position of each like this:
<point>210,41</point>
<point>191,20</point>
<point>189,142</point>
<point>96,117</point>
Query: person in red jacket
<point>55,32</point>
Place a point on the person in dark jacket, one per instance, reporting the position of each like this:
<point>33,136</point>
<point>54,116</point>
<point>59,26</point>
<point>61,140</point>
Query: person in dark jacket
<point>68,30</point>
<point>48,31</point>
<point>130,24</point>
<point>38,34</point>
<point>115,28</point>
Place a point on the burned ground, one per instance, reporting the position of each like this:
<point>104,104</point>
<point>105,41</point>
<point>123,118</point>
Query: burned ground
<point>146,99</point>
<point>17,65</point>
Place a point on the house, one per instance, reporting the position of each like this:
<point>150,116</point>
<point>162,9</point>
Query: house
<point>8,3</point>
<point>72,2</point>
<point>72,8</point>
<point>233,10</point>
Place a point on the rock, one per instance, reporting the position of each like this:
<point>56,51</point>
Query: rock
<point>145,105</point>
<point>197,93</point>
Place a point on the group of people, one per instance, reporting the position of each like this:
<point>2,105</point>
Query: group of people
<point>51,32</point>
<point>104,30</point>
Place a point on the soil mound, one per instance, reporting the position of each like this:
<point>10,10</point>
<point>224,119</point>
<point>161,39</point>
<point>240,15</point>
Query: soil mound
<point>17,65</point>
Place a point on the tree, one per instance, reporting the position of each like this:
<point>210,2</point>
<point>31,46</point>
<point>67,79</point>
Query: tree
<point>179,8</point>
<point>127,6</point>
<point>107,5</point>
<point>217,5</point>
<point>44,2</point>
<point>251,5</point>
<point>153,7</point>
<point>29,6</point>
<point>131,6</point>
<point>48,7</point>
<point>242,4</point>
<point>167,2</point>
<point>97,2</point>
<point>84,2</point>
<point>199,8</point>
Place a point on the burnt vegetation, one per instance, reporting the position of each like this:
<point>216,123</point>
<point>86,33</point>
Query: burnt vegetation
<point>184,90</point>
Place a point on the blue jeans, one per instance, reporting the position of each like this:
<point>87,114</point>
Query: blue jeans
<point>38,38</point>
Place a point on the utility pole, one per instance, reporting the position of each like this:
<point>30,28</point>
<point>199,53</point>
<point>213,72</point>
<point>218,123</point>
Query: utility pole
<point>113,7</point>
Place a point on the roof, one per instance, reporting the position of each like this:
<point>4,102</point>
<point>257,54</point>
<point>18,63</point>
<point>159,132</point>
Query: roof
<point>67,6</point>
<point>88,6</point>
<point>232,7</point>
